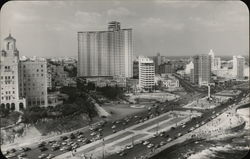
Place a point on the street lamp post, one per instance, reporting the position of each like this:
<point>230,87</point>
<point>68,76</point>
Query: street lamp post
<point>103,149</point>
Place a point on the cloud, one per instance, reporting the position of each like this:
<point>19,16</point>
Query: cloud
<point>87,17</point>
<point>205,22</point>
<point>118,12</point>
<point>22,18</point>
<point>178,4</point>
<point>160,23</point>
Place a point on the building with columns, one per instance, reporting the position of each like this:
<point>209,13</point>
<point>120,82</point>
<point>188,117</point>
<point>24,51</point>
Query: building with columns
<point>10,76</point>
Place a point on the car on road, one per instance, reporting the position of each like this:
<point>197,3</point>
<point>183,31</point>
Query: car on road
<point>129,147</point>
<point>42,144</point>
<point>150,146</point>
<point>162,143</point>
<point>183,126</point>
<point>157,146</point>
<point>197,125</point>
<point>72,136</point>
<point>23,154</point>
<point>42,156</point>
<point>80,136</point>
<point>191,129</point>
<point>64,137</point>
<point>55,148</point>
<point>114,131</point>
<point>122,154</point>
<point>169,139</point>
<point>162,134</point>
<point>50,156</point>
<point>10,154</point>
<point>145,142</point>
<point>43,149</point>
<point>166,135</point>
<point>113,127</point>
<point>25,149</point>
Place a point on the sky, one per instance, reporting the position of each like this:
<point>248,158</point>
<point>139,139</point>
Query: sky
<point>172,28</point>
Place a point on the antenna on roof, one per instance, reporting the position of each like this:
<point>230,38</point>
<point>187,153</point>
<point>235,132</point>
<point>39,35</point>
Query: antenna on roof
<point>9,31</point>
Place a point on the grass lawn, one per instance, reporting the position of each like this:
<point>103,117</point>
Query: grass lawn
<point>65,124</point>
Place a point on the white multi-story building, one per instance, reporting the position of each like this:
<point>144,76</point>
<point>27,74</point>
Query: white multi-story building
<point>33,82</point>
<point>188,68</point>
<point>105,53</point>
<point>238,67</point>
<point>9,67</point>
<point>146,73</point>
<point>215,61</point>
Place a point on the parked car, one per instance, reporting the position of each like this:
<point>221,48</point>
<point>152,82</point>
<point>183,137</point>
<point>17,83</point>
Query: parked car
<point>129,147</point>
<point>150,145</point>
<point>145,142</point>
<point>50,156</point>
<point>179,134</point>
<point>64,137</point>
<point>55,148</point>
<point>122,154</point>
<point>43,149</point>
<point>42,156</point>
<point>162,143</point>
<point>23,154</point>
<point>26,149</point>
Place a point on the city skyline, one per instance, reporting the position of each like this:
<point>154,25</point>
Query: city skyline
<point>195,26</point>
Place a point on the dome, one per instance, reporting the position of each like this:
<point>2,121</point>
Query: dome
<point>10,38</point>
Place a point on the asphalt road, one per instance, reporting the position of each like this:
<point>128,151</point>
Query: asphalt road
<point>106,130</point>
<point>159,109</point>
<point>141,150</point>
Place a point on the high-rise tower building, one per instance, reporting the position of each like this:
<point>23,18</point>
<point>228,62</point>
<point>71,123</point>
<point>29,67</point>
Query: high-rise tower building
<point>238,67</point>
<point>146,73</point>
<point>105,53</point>
<point>201,74</point>
<point>9,71</point>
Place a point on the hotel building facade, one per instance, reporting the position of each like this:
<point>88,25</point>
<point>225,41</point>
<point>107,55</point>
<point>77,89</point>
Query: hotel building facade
<point>105,53</point>
<point>23,82</point>
<point>9,72</point>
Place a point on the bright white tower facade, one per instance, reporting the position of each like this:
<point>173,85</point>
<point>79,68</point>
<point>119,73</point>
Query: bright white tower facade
<point>9,72</point>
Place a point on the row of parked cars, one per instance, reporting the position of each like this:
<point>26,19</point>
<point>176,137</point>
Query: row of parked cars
<point>20,153</point>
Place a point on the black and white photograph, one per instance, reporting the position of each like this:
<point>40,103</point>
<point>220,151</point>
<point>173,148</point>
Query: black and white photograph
<point>124,79</point>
